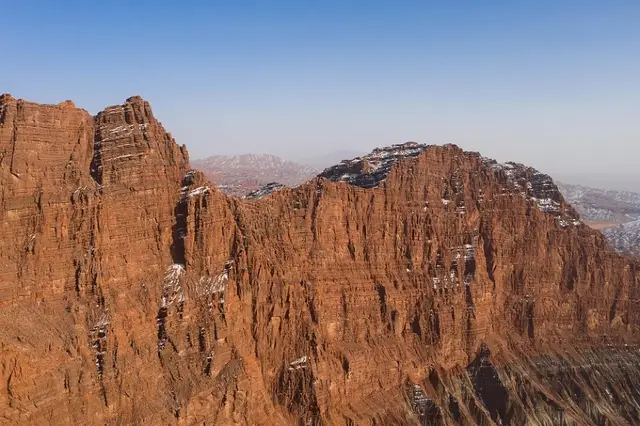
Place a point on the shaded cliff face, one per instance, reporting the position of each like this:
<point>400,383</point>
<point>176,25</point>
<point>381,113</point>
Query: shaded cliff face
<point>437,287</point>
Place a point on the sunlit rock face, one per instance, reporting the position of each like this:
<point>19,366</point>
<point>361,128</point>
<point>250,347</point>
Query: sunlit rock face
<point>428,286</point>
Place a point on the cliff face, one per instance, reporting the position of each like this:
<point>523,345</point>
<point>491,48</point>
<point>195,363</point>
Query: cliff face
<point>414,285</point>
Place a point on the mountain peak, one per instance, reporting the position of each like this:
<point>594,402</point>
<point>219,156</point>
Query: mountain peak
<point>369,170</point>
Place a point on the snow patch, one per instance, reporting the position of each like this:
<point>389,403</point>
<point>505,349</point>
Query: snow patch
<point>299,364</point>
<point>370,170</point>
<point>212,285</point>
<point>264,191</point>
<point>201,190</point>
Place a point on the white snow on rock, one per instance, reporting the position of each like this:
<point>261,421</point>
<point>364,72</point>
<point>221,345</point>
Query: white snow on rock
<point>172,288</point>
<point>298,364</point>
<point>264,191</point>
<point>536,187</point>
<point>111,132</point>
<point>199,191</point>
<point>212,285</point>
<point>371,169</point>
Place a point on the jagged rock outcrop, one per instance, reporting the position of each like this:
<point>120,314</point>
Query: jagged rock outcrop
<point>439,287</point>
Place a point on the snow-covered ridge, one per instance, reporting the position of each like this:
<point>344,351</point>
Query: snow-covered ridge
<point>371,169</point>
<point>536,187</point>
<point>625,238</point>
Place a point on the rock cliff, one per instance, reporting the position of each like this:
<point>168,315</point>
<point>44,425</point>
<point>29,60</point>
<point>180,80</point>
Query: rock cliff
<point>416,285</point>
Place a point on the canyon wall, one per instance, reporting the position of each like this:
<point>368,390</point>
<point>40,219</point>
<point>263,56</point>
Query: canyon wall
<point>416,285</point>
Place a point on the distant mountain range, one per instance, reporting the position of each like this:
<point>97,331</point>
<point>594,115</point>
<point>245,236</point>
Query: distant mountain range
<point>605,207</point>
<point>240,174</point>
<point>625,238</point>
<point>615,213</point>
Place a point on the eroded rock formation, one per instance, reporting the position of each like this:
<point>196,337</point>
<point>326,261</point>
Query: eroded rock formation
<point>440,287</point>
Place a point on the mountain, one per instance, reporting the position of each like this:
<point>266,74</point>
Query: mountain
<point>625,238</point>
<point>602,206</point>
<point>240,174</point>
<point>413,285</point>
<point>616,213</point>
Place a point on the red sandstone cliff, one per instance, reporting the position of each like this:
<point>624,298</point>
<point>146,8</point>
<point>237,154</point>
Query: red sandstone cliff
<point>415,285</point>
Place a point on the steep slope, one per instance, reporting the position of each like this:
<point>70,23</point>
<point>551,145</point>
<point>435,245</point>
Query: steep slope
<point>239,174</point>
<point>428,286</point>
<point>601,205</point>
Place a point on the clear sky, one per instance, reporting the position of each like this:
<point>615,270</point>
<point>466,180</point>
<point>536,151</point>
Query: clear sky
<point>554,84</point>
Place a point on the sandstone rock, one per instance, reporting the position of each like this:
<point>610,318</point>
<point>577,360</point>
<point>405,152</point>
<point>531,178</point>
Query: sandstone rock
<point>431,285</point>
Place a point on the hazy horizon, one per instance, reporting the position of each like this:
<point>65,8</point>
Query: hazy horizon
<point>550,84</point>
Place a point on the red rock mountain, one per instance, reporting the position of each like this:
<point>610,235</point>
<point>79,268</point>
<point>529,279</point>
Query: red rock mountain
<point>240,174</point>
<point>415,285</point>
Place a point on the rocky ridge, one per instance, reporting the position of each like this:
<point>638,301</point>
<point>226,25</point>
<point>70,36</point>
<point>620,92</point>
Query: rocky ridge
<point>429,286</point>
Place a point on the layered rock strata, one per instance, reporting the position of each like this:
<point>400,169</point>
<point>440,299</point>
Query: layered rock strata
<point>436,287</point>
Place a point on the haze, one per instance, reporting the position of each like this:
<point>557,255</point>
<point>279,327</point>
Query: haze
<point>547,83</point>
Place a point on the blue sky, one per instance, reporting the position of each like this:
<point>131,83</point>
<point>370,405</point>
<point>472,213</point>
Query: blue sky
<point>554,84</point>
